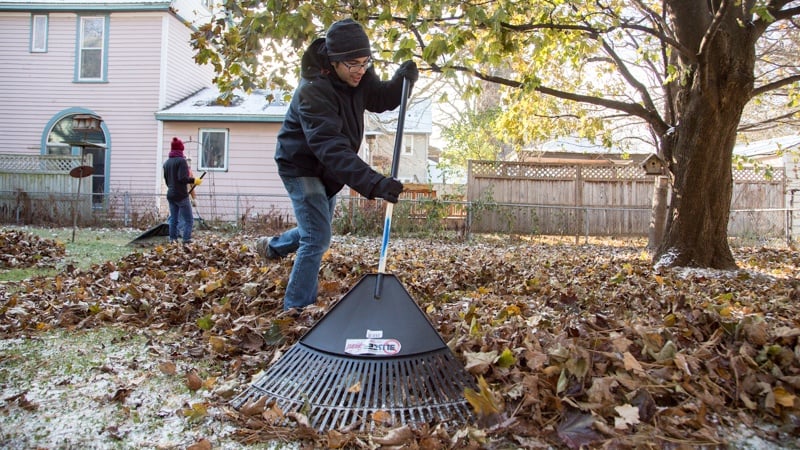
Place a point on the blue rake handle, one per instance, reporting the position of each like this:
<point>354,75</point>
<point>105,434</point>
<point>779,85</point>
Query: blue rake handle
<point>387,221</point>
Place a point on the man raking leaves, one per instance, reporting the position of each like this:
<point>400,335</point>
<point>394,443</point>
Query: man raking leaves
<point>317,151</point>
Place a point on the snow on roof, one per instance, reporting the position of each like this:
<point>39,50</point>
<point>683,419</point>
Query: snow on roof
<point>766,147</point>
<point>255,107</point>
<point>203,107</point>
<point>570,144</point>
<point>419,119</point>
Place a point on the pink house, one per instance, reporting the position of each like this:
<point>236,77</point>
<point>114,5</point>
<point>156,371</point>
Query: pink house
<point>124,61</point>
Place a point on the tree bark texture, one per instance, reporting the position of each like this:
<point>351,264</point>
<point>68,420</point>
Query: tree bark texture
<point>715,87</point>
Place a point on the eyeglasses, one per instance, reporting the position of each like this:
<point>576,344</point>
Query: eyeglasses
<point>355,68</point>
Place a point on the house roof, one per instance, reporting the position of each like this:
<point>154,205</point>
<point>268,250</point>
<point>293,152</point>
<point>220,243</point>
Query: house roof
<point>766,147</point>
<point>203,107</point>
<point>255,107</point>
<point>84,5</point>
<point>191,11</point>
<point>419,119</point>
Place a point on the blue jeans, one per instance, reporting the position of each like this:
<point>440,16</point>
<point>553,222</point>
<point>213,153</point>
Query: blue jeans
<point>180,220</point>
<point>310,239</point>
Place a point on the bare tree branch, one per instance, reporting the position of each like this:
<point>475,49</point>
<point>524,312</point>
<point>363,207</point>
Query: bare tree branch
<point>756,126</point>
<point>774,85</point>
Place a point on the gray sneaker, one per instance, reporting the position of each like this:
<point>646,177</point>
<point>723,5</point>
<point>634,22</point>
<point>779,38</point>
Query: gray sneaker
<point>264,251</point>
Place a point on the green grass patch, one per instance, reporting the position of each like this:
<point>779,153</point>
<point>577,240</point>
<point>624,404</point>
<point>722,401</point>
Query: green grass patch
<point>90,246</point>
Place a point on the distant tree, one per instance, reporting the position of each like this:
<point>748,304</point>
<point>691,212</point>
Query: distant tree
<point>472,136</point>
<point>684,69</point>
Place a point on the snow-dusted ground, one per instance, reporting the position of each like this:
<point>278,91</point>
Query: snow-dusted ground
<point>102,389</point>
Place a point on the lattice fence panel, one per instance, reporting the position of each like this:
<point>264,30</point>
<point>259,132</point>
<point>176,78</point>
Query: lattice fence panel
<point>491,169</point>
<point>615,172</point>
<point>38,163</point>
<point>758,175</point>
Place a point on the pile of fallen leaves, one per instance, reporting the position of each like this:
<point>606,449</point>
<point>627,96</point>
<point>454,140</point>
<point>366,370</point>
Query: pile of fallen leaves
<point>572,345</point>
<point>19,249</point>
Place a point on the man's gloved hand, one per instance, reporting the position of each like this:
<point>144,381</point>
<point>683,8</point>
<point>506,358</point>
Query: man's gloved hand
<point>388,189</point>
<point>408,70</point>
<point>198,181</point>
<point>194,202</point>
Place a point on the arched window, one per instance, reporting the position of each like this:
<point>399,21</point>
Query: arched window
<point>62,139</point>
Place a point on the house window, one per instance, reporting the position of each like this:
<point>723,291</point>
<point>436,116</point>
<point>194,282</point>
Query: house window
<point>408,144</point>
<point>38,33</point>
<point>91,53</point>
<point>213,150</point>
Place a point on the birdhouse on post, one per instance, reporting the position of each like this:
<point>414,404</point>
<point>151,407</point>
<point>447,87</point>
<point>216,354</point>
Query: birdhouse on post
<point>654,165</point>
<point>86,122</point>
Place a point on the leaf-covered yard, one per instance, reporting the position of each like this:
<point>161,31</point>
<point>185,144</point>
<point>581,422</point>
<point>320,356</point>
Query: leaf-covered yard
<point>579,345</point>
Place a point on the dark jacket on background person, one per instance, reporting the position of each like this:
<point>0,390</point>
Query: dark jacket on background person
<point>324,140</point>
<point>176,175</point>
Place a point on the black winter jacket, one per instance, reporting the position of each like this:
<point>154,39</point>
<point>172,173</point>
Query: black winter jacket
<point>176,175</point>
<point>324,126</point>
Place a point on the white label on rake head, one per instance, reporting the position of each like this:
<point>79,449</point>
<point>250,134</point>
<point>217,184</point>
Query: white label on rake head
<point>374,334</point>
<point>380,347</point>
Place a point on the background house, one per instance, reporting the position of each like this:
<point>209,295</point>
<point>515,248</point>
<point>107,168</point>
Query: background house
<point>121,60</point>
<point>380,140</point>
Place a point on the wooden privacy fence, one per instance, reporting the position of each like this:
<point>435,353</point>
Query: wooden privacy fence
<point>600,200</point>
<point>41,187</point>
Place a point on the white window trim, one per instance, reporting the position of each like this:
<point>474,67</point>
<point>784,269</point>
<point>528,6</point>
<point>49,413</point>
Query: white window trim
<point>103,50</point>
<point>39,25</point>
<point>220,166</point>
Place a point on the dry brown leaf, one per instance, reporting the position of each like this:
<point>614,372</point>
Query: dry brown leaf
<point>254,407</point>
<point>202,444</point>
<point>168,368</point>
<point>632,364</point>
<point>626,415</point>
<point>193,381</point>
<point>600,391</point>
<point>396,436</point>
<point>382,417</point>
<point>335,439</point>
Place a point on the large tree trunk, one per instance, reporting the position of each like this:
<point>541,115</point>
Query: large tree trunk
<point>697,223</point>
<point>699,149</point>
<point>658,217</point>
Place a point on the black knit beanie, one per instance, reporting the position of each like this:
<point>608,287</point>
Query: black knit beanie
<point>347,40</point>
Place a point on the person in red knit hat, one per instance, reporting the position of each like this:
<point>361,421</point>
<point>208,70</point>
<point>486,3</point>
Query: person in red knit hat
<point>178,177</point>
